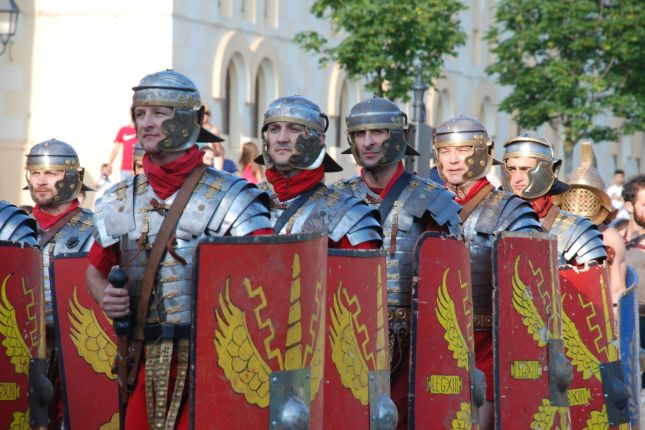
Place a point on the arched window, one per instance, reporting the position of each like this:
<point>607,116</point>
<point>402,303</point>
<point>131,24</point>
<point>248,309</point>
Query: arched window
<point>443,109</point>
<point>232,112</point>
<point>226,112</point>
<point>265,93</point>
<point>487,117</point>
<point>343,111</point>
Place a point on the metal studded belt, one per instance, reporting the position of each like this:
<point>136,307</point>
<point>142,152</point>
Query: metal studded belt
<point>483,322</point>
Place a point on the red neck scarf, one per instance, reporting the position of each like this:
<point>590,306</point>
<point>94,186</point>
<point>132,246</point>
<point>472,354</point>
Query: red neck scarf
<point>481,183</point>
<point>382,192</point>
<point>166,179</point>
<point>288,188</point>
<point>45,220</point>
<point>541,205</point>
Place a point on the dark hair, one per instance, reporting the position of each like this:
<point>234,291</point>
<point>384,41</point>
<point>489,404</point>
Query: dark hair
<point>632,187</point>
<point>619,172</point>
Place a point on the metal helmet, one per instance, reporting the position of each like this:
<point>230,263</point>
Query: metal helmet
<point>464,130</point>
<point>57,155</point>
<point>380,114</point>
<point>310,147</point>
<point>137,154</point>
<point>587,196</point>
<point>543,178</point>
<point>170,88</point>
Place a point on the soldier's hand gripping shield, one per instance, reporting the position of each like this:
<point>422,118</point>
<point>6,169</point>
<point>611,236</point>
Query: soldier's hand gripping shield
<point>259,332</point>
<point>446,389</point>
<point>25,391</point>
<point>357,375</point>
<point>598,397</point>
<point>87,348</point>
<point>531,371</point>
<point>628,333</point>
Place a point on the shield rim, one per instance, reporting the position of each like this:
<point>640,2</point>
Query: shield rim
<point>13,244</point>
<point>415,308</point>
<point>58,338</point>
<point>239,240</point>
<point>498,237</point>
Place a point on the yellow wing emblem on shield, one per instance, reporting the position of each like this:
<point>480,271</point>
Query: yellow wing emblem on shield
<point>20,421</point>
<point>92,342</point>
<point>584,361</point>
<point>15,346</point>
<point>447,317</point>
<point>242,363</point>
<point>346,352</point>
<point>524,305</point>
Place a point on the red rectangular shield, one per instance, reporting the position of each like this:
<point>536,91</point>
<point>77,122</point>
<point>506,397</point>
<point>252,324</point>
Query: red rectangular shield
<point>590,344</point>
<point>22,329</point>
<point>260,316</point>
<point>87,348</point>
<point>527,328</point>
<point>356,335</point>
<point>442,340</point>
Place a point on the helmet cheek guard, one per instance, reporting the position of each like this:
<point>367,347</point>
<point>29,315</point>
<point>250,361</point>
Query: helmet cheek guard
<point>310,151</point>
<point>180,128</point>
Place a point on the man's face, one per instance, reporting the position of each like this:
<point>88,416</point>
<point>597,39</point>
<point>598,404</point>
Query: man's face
<point>638,208</point>
<point>43,185</point>
<point>453,163</point>
<point>518,172</point>
<point>369,145</point>
<point>148,120</point>
<point>281,139</point>
<point>619,179</point>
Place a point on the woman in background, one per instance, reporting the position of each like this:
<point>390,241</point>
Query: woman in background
<point>251,171</point>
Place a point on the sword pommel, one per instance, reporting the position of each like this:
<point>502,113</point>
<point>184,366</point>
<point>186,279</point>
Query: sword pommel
<point>118,278</point>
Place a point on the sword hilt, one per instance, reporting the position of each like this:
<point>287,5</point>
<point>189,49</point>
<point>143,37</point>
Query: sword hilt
<point>118,278</point>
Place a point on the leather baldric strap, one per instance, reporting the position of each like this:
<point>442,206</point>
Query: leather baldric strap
<point>388,202</point>
<point>471,204</point>
<point>294,206</point>
<point>549,218</point>
<point>47,235</point>
<point>158,248</point>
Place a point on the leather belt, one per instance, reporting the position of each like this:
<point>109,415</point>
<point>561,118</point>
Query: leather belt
<point>154,332</point>
<point>483,322</point>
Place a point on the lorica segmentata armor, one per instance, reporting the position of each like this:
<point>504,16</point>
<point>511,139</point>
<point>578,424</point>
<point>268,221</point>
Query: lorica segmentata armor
<point>336,213</point>
<point>16,226</point>
<point>422,204</point>
<point>579,240</point>
<point>498,212</point>
<point>131,213</point>
<point>74,237</point>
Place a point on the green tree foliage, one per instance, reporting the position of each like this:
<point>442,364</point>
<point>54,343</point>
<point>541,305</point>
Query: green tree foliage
<point>570,61</point>
<point>386,38</point>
